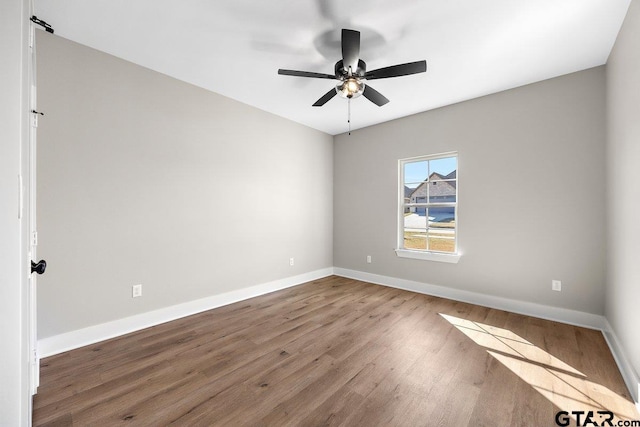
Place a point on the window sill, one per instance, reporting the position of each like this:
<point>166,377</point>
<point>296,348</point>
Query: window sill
<point>428,256</point>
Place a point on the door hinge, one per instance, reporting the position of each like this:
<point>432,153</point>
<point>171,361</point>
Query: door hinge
<point>34,238</point>
<point>34,118</point>
<point>42,23</point>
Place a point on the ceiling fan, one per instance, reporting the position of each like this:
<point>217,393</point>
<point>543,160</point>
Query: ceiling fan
<point>351,73</point>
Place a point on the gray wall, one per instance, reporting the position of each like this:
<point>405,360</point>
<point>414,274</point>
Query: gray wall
<point>531,187</point>
<point>623,186</point>
<point>145,179</point>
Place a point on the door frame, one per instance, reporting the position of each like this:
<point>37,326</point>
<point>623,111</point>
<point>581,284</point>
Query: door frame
<point>32,245</point>
<point>15,318</point>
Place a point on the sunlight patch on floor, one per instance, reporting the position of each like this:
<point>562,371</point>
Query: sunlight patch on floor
<point>563,385</point>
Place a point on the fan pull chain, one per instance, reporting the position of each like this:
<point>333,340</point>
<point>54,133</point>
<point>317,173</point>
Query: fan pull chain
<point>349,114</point>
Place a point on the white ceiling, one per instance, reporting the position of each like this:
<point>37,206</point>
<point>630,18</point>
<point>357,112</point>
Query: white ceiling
<point>235,47</point>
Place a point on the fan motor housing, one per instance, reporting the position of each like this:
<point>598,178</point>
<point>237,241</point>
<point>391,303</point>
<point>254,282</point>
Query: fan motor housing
<point>342,74</point>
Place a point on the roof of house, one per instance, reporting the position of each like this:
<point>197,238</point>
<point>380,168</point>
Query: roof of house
<point>408,191</point>
<point>445,188</point>
<point>435,176</point>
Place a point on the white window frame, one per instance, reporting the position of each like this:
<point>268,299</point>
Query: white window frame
<point>416,253</point>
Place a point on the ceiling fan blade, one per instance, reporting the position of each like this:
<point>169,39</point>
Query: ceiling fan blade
<point>350,49</point>
<point>397,70</point>
<point>305,74</point>
<point>374,96</point>
<point>326,97</point>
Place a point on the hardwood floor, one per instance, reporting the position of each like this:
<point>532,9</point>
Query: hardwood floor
<point>337,351</point>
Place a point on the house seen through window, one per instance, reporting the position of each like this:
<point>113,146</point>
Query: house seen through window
<point>428,204</point>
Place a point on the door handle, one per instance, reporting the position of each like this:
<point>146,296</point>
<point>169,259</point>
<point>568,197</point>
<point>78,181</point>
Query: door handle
<point>40,267</point>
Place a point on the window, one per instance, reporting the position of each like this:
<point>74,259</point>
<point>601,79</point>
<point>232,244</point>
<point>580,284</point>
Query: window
<point>428,208</point>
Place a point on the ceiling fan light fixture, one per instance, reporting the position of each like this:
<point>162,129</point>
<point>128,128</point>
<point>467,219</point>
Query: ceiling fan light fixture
<point>350,88</point>
<point>351,72</point>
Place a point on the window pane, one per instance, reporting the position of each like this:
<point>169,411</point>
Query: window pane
<point>442,191</point>
<point>419,195</point>
<point>415,173</point>
<point>415,239</point>
<point>443,168</point>
<point>442,217</point>
<point>415,228</point>
<point>442,229</point>
<point>416,218</point>
<point>442,240</point>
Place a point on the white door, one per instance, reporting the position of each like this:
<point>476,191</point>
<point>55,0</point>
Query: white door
<point>33,231</point>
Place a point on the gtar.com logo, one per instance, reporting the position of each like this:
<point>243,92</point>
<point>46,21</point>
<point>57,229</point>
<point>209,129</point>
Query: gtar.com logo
<point>591,418</point>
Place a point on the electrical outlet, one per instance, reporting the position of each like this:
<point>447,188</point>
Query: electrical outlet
<point>291,262</point>
<point>368,259</point>
<point>136,291</point>
<point>556,285</point>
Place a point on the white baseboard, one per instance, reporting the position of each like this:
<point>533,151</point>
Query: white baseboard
<point>630,376</point>
<point>93,334</point>
<point>557,314</point>
<point>572,317</point>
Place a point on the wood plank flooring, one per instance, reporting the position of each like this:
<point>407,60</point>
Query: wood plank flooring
<point>337,351</point>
